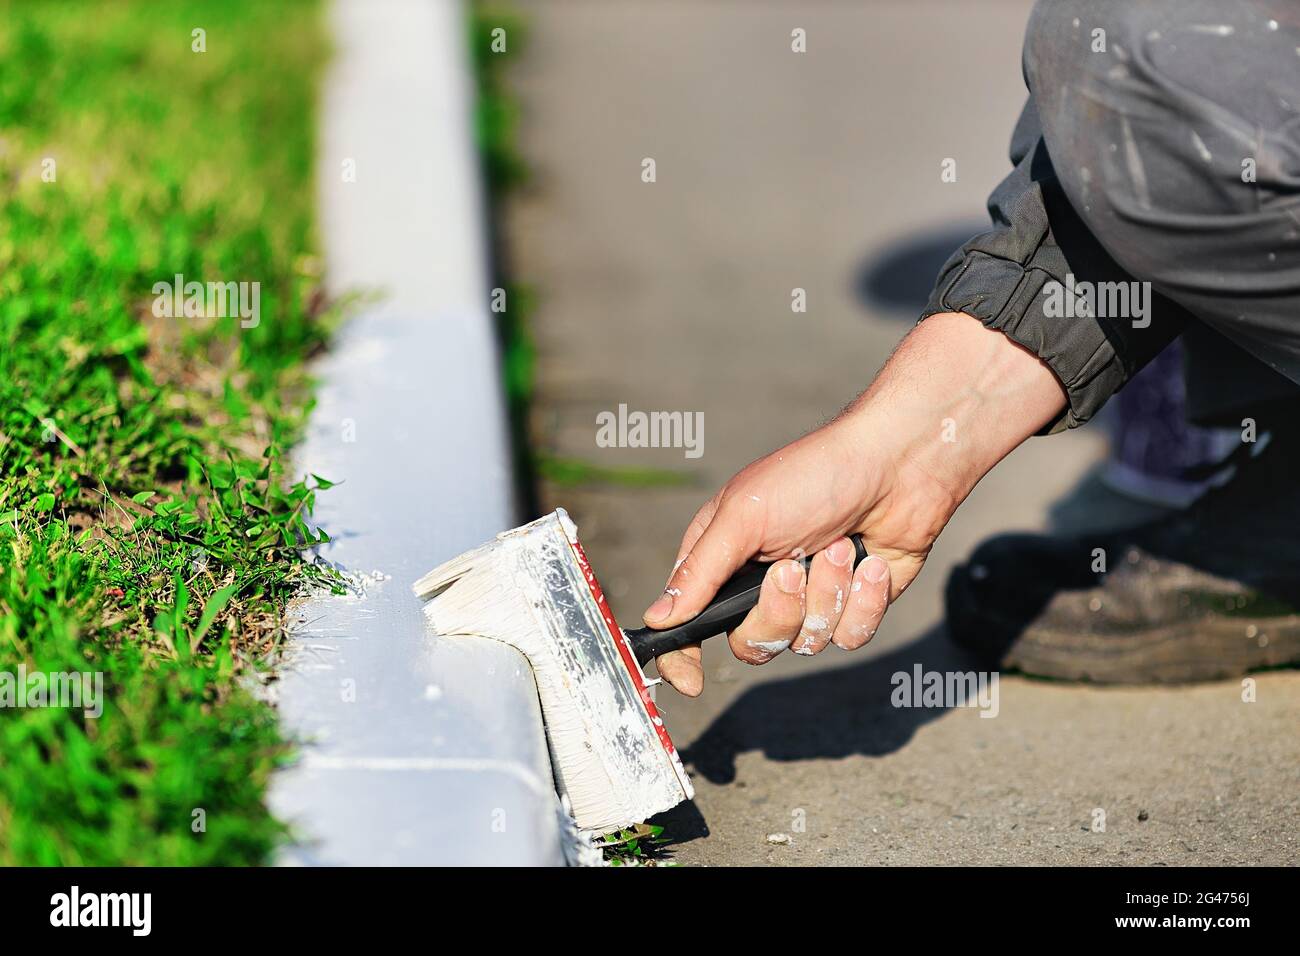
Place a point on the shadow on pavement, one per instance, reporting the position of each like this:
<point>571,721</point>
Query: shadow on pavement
<point>897,282</point>
<point>829,714</point>
<point>682,824</point>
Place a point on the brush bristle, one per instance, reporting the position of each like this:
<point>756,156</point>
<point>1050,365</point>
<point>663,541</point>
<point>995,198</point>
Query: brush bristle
<point>528,589</point>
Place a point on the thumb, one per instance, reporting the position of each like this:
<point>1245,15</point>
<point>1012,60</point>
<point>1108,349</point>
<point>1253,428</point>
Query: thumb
<point>719,552</point>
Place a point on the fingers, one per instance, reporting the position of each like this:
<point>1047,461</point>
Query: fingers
<point>695,529</point>
<point>775,621</point>
<point>868,598</point>
<point>726,542</point>
<point>828,589</point>
<point>831,604</point>
<point>683,670</point>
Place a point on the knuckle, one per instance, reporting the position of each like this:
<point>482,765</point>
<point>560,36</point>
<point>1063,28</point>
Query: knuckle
<point>866,597</point>
<point>752,641</point>
<point>702,517</point>
<point>829,603</point>
<point>856,634</point>
<point>787,616</point>
<point>726,498</point>
<point>690,686</point>
<point>827,580</point>
<point>814,635</point>
<point>757,651</point>
<point>757,641</point>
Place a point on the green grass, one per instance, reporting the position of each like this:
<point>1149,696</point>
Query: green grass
<point>496,123</point>
<point>148,527</point>
<point>574,473</point>
<point>496,111</point>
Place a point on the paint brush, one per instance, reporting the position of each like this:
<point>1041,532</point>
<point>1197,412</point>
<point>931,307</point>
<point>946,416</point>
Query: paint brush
<point>533,588</point>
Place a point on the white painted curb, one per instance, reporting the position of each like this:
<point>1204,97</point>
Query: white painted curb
<point>424,750</point>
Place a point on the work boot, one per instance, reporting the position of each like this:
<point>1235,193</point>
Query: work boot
<point>1209,592</point>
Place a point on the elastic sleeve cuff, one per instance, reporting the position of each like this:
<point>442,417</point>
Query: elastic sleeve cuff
<point>1009,297</point>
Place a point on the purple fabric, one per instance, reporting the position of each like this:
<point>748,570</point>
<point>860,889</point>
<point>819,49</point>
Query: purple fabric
<point>1150,433</point>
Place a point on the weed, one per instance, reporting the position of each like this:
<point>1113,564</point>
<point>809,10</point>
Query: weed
<point>639,845</point>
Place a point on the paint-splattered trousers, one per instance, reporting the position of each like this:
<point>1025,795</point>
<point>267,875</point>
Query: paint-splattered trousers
<point>1160,144</point>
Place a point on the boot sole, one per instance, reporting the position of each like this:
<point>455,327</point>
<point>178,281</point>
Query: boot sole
<point>1211,648</point>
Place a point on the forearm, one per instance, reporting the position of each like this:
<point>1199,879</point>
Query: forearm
<point>954,399</point>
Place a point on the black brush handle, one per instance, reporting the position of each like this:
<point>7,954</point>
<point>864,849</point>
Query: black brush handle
<point>733,601</point>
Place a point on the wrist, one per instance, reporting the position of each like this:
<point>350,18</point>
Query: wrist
<point>901,447</point>
<point>953,401</point>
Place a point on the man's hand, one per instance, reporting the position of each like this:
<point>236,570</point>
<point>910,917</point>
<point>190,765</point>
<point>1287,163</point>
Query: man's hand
<point>953,401</point>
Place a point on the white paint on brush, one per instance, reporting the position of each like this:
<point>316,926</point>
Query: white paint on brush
<point>527,589</point>
<point>570,529</point>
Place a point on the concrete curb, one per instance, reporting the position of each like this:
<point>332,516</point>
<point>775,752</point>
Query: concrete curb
<point>422,751</point>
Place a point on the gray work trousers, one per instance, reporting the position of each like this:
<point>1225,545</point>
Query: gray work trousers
<point>1160,144</point>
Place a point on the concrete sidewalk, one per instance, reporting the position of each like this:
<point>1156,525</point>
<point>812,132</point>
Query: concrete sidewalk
<point>821,171</point>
